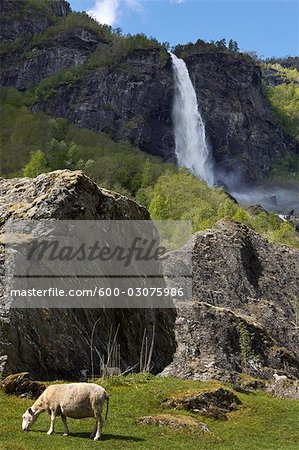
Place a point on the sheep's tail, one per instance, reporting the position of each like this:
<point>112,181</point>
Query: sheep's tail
<point>107,406</point>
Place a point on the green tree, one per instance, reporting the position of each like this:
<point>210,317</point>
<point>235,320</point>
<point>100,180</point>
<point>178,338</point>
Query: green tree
<point>36,165</point>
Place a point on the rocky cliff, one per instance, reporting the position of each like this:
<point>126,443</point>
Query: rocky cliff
<point>21,20</point>
<point>131,100</point>
<point>241,127</point>
<point>131,97</point>
<point>59,53</point>
<point>244,316</point>
<point>55,343</point>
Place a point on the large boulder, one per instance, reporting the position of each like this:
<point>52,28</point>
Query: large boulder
<point>244,315</point>
<point>22,384</point>
<point>215,403</point>
<point>55,343</point>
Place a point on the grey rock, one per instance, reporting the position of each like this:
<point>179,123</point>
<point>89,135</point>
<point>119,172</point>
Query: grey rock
<point>284,388</point>
<point>55,343</point>
<point>273,76</point>
<point>65,50</point>
<point>216,403</point>
<point>255,210</point>
<point>240,282</point>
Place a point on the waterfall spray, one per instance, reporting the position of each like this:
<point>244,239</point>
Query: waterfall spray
<point>191,147</point>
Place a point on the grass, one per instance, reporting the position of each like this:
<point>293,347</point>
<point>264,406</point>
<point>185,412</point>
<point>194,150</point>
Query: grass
<point>262,422</point>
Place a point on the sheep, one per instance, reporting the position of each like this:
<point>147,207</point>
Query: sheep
<point>76,400</point>
<point>279,377</point>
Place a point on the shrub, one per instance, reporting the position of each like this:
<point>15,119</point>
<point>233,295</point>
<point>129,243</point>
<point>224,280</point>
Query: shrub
<point>181,196</point>
<point>36,165</point>
<point>7,47</point>
<point>284,98</point>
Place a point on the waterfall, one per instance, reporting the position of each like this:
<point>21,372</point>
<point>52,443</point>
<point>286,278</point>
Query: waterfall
<point>191,146</point>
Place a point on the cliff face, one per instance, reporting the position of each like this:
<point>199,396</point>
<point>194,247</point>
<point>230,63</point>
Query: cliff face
<point>240,125</point>
<point>244,316</point>
<point>63,51</point>
<point>131,98</point>
<point>20,20</point>
<point>55,343</point>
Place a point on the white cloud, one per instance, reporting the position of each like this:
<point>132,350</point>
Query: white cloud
<point>109,11</point>
<point>105,11</point>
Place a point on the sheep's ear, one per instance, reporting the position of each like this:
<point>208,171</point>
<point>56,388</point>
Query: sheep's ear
<point>30,411</point>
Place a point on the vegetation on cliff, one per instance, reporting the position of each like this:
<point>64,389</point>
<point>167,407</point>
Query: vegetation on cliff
<point>113,44</point>
<point>181,196</point>
<point>284,100</point>
<point>43,144</point>
<point>201,46</point>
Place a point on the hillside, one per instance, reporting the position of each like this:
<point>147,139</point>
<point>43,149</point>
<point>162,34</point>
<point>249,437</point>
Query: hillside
<point>67,65</point>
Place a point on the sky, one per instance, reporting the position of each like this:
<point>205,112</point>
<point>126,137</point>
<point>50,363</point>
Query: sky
<point>269,27</point>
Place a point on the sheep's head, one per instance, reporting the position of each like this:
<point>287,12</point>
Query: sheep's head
<point>29,417</point>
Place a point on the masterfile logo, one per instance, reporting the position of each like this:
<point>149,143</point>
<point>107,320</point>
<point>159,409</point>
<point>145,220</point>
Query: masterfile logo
<point>52,263</point>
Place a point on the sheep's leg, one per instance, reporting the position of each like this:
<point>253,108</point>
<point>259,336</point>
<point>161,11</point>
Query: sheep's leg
<point>94,431</point>
<point>53,417</point>
<point>66,430</point>
<point>98,428</point>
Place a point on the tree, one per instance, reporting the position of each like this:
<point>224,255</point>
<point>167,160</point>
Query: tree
<point>221,44</point>
<point>36,165</point>
<point>236,46</point>
<point>57,153</point>
<point>233,46</point>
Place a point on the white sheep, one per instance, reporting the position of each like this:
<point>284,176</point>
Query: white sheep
<point>76,400</point>
<point>279,377</point>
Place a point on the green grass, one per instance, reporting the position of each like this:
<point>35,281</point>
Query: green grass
<point>262,422</point>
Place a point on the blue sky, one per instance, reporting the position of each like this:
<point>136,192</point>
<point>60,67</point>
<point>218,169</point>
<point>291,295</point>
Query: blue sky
<point>269,27</point>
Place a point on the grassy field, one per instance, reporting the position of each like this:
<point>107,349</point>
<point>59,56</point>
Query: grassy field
<point>262,422</point>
